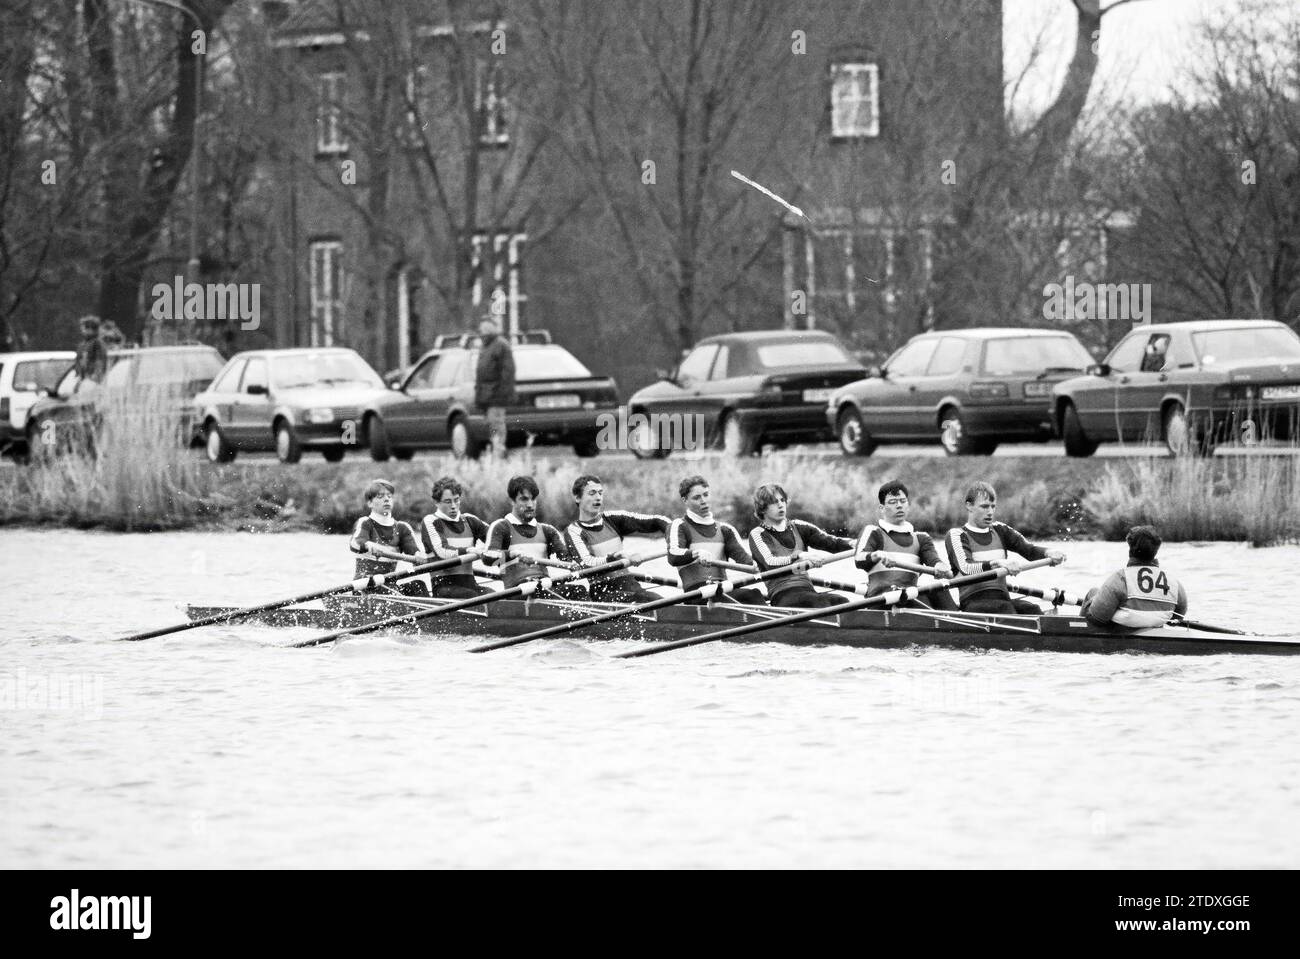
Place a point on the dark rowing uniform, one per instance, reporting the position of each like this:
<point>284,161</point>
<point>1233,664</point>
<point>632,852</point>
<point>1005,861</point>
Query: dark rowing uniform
<point>510,538</point>
<point>601,541</point>
<point>716,541</point>
<point>900,542</point>
<point>1139,596</point>
<point>774,547</point>
<point>394,534</point>
<point>971,550</point>
<point>445,538</point>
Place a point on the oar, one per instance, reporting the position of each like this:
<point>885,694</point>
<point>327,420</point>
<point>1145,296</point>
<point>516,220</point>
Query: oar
<point>1206,627</point>
<point>523,589</point>
<point>704,592</point>
<point>885,599</point>
<point>727,564</point>
<point>1057,597</point>
<point>364,583</point>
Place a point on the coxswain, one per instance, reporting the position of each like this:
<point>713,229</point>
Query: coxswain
<point>1141,595</point>
<point>380,541</point>
<point>984,544</point>
<point>893,537</point>
<point>517,541</point>
<point>778,540</point>
<point>447,533</point>
<point>596,537</point>
<point>694,540</point>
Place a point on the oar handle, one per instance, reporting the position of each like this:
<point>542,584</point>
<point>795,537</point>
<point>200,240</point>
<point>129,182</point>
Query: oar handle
<point>1057,597</point>
<point>727,564</point>
<point>932,571</point>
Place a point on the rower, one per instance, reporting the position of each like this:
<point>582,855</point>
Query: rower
<point>596,537</point>
<point>377,538</point>
<point>983,544</point>
<point>780,541</point>
<point>517,541</point>
<point>697,538</point>
<point>893,537</point>
<point>447,533</point>
<point>1141,595</point>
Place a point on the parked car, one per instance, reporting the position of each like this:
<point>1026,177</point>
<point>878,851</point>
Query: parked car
<point>287,401</point>
<point>967,389</point>
<point>769,386</point>
<point>1191,385</point>
<point>72,414</point>
<point>559,401</point>
<point>23,377</point>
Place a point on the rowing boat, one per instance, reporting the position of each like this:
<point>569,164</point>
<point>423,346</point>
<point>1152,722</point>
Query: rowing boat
<point>875,629</point>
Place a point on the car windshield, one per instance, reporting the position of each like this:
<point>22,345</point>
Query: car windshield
<point>323,369</point>
<point>547,363</point>
<point>33,375</point>
<point>1263,344</point>
<point>192,369</point>
<point>800,353</point>
<point>1034,354</point>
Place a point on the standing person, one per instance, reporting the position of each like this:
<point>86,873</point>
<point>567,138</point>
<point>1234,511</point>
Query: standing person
<point>446,533</point>
<point>780,541</point>
<point>378,538</point>
<point>893,537</point>
<point>517,541</point>
<point>1141,595</point>
<point>696,539</point>
<point>983,544</point>
<point>494,381</point>
<point>92,359</point>
<point>596,537</point>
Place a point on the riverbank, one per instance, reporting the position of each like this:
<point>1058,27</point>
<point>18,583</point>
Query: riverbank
<point>1244,499</point>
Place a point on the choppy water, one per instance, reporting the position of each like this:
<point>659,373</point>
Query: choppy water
<point>218,748</point>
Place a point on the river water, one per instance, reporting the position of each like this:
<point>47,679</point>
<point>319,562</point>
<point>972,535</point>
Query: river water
<point>221,748</point>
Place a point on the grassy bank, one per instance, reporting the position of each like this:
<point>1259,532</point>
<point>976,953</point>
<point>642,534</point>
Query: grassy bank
<point>147,483</point>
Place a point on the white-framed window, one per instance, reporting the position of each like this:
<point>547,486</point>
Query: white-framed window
<point>855,100</point>
<point>490,102</point>
<point>494,259</point>
<point>329,119</point>
<point>325,278</point>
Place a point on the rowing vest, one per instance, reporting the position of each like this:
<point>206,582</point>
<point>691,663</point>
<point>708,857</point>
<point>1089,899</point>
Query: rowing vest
<point>982,553</point>
<point>445,538</point>
<point>396,536</point>
<point>1151,596</point>
<point>770,542</point>
<point>905,547</point>
<point>711,542</point>
<point>600,539</point>
<point>520,540</point>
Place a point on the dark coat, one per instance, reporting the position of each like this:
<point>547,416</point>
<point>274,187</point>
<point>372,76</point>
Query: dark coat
<point>494,379</point>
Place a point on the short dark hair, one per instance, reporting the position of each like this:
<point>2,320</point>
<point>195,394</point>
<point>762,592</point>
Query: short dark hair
<point>445,483</point>
<point>685,486</point>
<point>893,486</point>
<point>766,495</point>
<point>580,484</point>
<point>522,484</point>
<point>378,486</point>
<point>1143,543</point>
<point>979,487</point>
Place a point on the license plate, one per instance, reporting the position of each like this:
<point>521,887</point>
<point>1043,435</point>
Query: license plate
<point>1038,389</point>
<point>817,396</point>
<point>1280,392</point>
<point>559,401</point>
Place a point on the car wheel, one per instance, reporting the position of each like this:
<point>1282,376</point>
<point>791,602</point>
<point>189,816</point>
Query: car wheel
<point>377,438</point>
<point>852,432</point>
<point>1182,437</point>
<point>955,439</point>
<point>463,444</point>
<point>287,447</point>
<point>1076,440</point>
<point>214,441</point>
<point>401,454</point>
<point>334,454</point>
<point>738,439</point>
<point>586,447</point>
<point>643,442</point>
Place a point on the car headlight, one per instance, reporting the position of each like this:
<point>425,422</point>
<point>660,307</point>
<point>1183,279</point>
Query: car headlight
<point>320,414</point>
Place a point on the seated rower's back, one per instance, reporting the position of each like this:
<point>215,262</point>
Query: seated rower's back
<point>447,533</point>
<point>697,538</point>
<point>780,541</point>
<point>1141,595</point>
<point>893,537</point>
<point>378,533</point>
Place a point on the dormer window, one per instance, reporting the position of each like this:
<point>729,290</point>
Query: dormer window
<point>855,100</point>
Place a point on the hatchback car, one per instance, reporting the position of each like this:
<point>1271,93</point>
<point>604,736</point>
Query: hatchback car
<point>967,389</point>
<point>287,401</point>
<point>23,378</point>
<point>768,386</point>
<point>559,400</point>
<point>1191,385</point>
<point>72,414</point>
